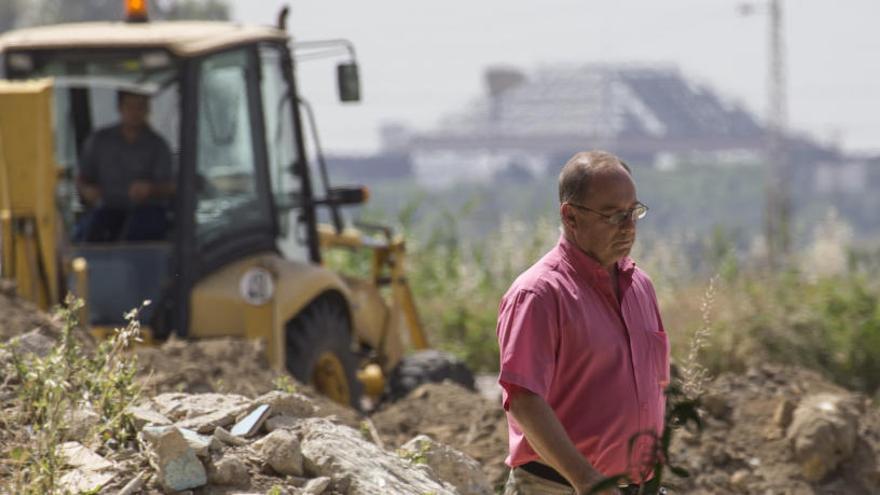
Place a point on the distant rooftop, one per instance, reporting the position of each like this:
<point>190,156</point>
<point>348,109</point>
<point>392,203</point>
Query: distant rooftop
<point>560,105</point>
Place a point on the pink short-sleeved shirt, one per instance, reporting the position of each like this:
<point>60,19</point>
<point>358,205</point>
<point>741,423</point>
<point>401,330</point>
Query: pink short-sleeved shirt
<point>601,366</point>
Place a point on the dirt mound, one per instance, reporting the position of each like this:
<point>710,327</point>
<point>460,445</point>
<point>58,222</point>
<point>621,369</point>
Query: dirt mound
<point>452,415</point>
<point>744,447</point>
<point>18,316</point>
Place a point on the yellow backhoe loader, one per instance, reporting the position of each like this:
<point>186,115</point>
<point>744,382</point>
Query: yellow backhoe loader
<point>242,256</point>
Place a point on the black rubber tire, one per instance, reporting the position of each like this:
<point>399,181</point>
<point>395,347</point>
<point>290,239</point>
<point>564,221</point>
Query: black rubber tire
<point>324,326</point>
<point>430,366</point>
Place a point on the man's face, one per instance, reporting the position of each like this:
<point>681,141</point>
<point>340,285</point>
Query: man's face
<point>611,191</point>
<point>133,110</point>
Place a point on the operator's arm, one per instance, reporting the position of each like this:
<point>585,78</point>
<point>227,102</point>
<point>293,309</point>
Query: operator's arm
<point>87,178</point>
<point>549,439</point>
<point>162,185</point>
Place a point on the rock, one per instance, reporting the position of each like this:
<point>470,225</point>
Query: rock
<point>228,470</point>
<point>83,480</point>
<point>146,416</point>
<point>207,423</point>
<point>823,433</point>
<point>316,486</point>
<point>81,422</point>
<point>228,438</point>
<point>329,449</point>
<point>282,403</point>
<point>177,465</point>
<point>784,413</point>
<point>91,471</point>
<point>78,456</point>
<point>281,422</point>
<point>740,478</point>
<point>179,406</point>
<point>199,443</point>
<point>450,465</point>
<point>33,342</point>
<point>281,450</point>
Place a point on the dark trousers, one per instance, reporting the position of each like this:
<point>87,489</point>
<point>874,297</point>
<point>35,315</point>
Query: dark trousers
<point>107,224</point>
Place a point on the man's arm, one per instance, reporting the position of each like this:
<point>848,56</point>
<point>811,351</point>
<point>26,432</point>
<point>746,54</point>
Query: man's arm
<point>549,439</point>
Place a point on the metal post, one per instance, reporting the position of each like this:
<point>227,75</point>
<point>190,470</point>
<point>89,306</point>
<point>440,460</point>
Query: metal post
<point>778,207</point>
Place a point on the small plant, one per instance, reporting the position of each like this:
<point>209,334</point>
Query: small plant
<point>284,384</point>
<point>418,456</point>
<point>64,380</point>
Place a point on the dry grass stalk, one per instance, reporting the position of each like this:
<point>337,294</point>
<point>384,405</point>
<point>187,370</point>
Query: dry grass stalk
<point>695,375</point>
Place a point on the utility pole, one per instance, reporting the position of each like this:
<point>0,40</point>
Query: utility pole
<point>777,214</point>
<point>778,192</point>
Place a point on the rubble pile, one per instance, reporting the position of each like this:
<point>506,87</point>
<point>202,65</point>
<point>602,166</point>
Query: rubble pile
<point>780,430</point>
<point>227,443</point>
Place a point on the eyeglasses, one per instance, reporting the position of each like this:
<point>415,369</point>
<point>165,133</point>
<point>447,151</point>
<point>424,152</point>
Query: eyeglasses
<point>637,212</point>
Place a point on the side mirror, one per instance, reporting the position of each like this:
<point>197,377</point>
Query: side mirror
<point>347,195</point>
<point>349,83</point>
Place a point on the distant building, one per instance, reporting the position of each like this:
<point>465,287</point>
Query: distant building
<point>649,115</point>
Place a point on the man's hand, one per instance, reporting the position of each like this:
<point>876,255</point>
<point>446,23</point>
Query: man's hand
<point>139,191</point>
<point>546,435</point>
<point>90,194</point>
<point>585,489</point>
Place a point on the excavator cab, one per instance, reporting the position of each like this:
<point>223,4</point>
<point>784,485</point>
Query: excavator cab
<point>242,251</point>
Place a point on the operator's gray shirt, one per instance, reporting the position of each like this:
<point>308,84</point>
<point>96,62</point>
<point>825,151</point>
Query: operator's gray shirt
<point>112,163</point>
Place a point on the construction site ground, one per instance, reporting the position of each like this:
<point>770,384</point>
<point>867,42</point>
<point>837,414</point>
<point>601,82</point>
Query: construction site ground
<point>743,447</point>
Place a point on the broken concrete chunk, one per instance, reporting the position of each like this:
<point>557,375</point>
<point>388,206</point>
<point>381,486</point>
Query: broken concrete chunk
<point>207,423</point>
<point>78,456</point>
<point>200,444</point>
<point>281,450</point>
<point>251,423</point>
<point>282,403</point>
<point>316,486</point>
<point>450,465</point>
<point>84,480</point>
<point>281,423</point>
<point>228,438</point>
<point>178,467</point>
<point>329,449</point>
<point>823,433</point>
<point>228,470</point>
<point>145,416</point>
<point>178,406</point>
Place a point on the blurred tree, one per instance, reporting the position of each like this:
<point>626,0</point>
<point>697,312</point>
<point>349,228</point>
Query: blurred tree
<point>214,10</point>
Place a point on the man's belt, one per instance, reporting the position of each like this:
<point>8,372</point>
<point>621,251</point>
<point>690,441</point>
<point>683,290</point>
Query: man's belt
<point>544,471</point>
<point>548,473</point>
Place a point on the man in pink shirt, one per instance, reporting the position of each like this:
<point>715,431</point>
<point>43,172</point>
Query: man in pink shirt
<point>584,357</point>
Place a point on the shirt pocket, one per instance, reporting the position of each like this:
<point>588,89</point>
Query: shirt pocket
<point>658,347</point>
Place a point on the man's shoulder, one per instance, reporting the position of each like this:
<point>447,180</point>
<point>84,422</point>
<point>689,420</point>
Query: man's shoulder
<point>542,279</point>
<point>110,132</point>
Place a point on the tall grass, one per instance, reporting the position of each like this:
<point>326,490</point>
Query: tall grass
<point>49,388</point>
<point>822,312</point>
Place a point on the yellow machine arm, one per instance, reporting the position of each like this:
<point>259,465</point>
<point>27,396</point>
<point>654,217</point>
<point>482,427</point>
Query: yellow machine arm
<point>28,175</point>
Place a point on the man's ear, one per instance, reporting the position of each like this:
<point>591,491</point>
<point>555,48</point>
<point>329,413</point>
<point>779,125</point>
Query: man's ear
<point>566,213</point>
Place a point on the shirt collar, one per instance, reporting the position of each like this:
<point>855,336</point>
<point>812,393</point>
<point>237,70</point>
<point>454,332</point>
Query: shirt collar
<point>585,266</point>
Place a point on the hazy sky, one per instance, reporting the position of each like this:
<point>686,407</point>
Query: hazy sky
<point>421,59</point>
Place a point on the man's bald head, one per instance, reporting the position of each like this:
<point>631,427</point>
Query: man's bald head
<point>576,175</point>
